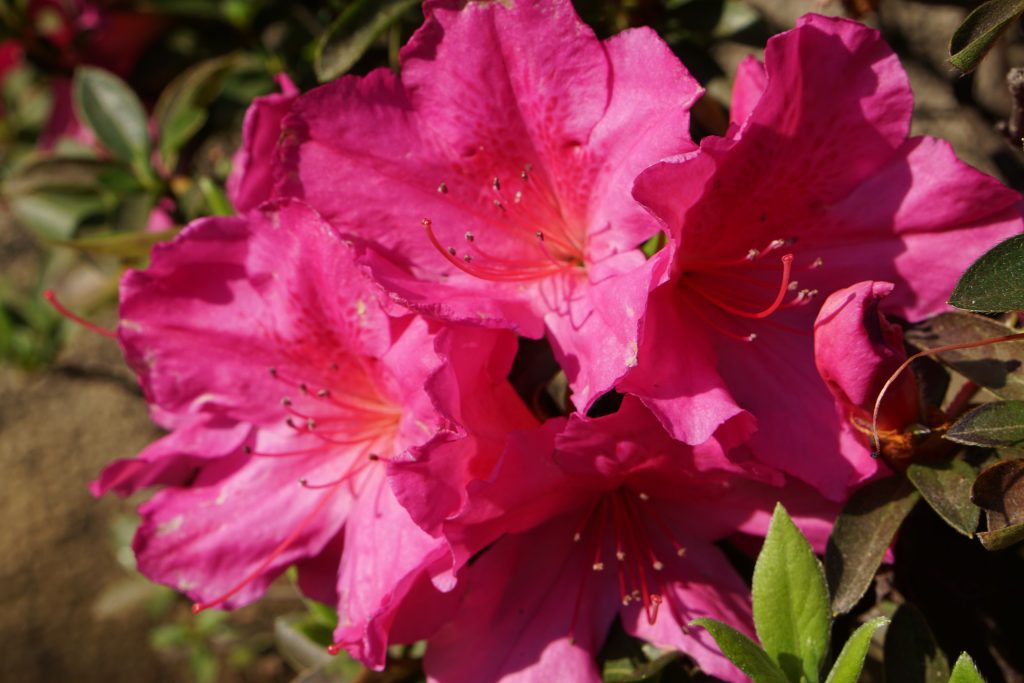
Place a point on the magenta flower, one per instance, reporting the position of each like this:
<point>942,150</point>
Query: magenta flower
<point>286,388</point>
<point>588,519</point>
<point>817,187</point>
<point>491,180</point>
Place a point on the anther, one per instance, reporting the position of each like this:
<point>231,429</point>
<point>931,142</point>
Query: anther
<point>469,236</point>
<point>496,184</point>
<point>643,496</point>
<point>539,235</point>
<point>310,424</point>
<point>272,371</point>
<point>442,188</point>
<point>620,556</point>
<point>426,222</point>
<point>518,197</point>
<point>598,566</point>
<point>451,250</point>
<point>499,205</point>
<point>333,649</point>
<point>285,401</point>
<point>373,456</point>
<point>323,393</point>
<point>753,254</point>
<point>657,566</point>
<point>467,258</point>
<point>303,388</point>
<point>247,449</point>
<point>818,262</point>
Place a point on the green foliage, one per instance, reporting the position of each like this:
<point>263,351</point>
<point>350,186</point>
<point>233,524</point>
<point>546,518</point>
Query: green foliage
<point>995,282</point>
<point>964,671</point>
<point>861,536</point>
<point>792,617</point>
<point>946,486</point>
<point>979,31</point>
<point>115,115</point>
<point>999,368</point>
<point>911,654</point>
<point>999,489</point>
<point>791,607</point>
<point>348,38</point>
<point>991,425</point>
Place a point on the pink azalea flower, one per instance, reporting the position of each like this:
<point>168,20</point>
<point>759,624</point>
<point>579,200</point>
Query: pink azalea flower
<point>492,178</point>
<point>585,520</point>
<point>286,388</point>
<point>817,187</point>
<point>856,350</point>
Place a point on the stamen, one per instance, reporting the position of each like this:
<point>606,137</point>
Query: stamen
<point>442,188</point>
<point>92,327</point>
<point>787,264</point>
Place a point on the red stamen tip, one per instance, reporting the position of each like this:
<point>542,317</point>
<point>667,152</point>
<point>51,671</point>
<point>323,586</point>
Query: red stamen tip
<point>197,607</point>
<point>333,649</point>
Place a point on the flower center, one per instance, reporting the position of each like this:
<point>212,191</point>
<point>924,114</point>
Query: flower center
<point>622,527</point>
<point>519,233</point>
<point>351,426</point>
<point>752,287</point>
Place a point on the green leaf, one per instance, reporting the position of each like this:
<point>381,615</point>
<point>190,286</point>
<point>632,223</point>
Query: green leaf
<point>947,488</point>
<point>53,215</point>
<point>623,671</point>
<point>791,609</point>
<point>964,671</point>
<point>1002,538</point>
<point>993,425</point>
<point>348,38</point>
<point>861,535</point>
<point>58,174</point>
<point>851,660</point>
<point>911,655</point>
<point>995,282</point>
<point>125,245</point>
<point>997,367</point>
<point>743,652</point>
<point>114,113</point>
<point>181,110</point>
<point>979,31</point>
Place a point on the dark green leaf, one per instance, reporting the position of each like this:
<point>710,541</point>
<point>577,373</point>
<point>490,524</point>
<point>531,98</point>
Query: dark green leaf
<point>791,610</point>
<point>964,671</point>
<point>947,488</point>
<point>862,534</point>
<point>347,39</point>
<point>911,654</point>
<point>181,110</point>
<point>851,660</point>
<point>743,652</point>
<point>114,113</point>
<point>976,35</point>
<point>992,424</point>
<point>60,175</point>
<point>995,282</point>
<point>999,489</point>
<point>997,367</point>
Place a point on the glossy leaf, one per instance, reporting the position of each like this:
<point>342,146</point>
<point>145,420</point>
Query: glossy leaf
<point>1002,538</point>
<point>347,39</point>
<point>947,488</point>
<point>999,489</point>
<point>114,113</point>
<point>911,654</point>
<point>743,652</point>
<point>861,536</point>
<point>995,282</point>
<point>791,608</point>
<point>994,425</point>
<point>851,659</point>
<point>979,31</point>
<point>964,671</point>
<point>997,367</point>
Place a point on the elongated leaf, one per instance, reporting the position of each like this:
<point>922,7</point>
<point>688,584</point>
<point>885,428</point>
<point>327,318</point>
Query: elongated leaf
<point>743,652</point>
<point>1000,489</point>
<point>851,660</point>
<point>181,110</point>
<point>113,112</point>
<point>627,673</point>
<point>947,488</point>
<point>992,425</point>
<point>997,367</point>
<point>791,610</point>
<point>976,35</point>
<point>911,654</point>
<point>995,282</point>
<point>130,245</point>
<point>861,535</point>
<point>58,174</point>
<point>964,671</point>
<point>56,215</point>
<point>1002,538</point>
<point>347,39</point>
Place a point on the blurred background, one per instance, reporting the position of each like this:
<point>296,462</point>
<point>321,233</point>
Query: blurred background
<point>74,215</point>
